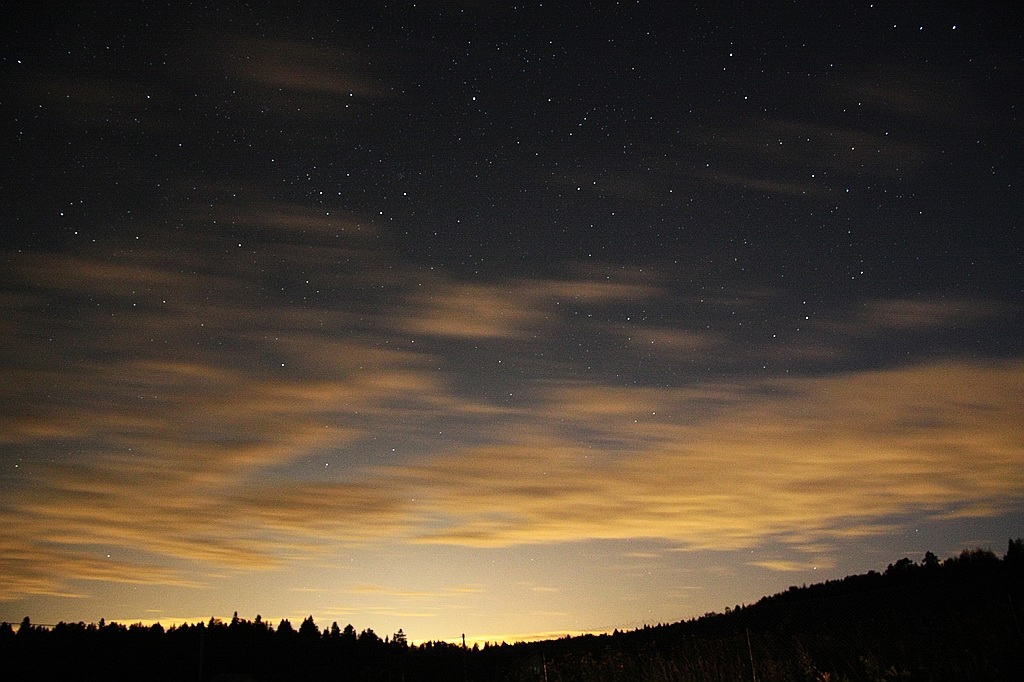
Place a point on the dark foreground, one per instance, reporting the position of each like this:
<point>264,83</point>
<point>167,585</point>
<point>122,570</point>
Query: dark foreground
<point>958,619</point>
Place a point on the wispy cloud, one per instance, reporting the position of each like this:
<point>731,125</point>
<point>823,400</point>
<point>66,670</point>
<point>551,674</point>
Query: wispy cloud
<point>818,457</point>
<point>915,94</point>
<point>298,66</point>
<point>789,566</point>
<point>391,592</point>
<point>918,315</point>
<point>515,309</point>
<point>471,311</point>
<point>172,411</point>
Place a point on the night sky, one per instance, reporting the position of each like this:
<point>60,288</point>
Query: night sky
<point>502,319</point>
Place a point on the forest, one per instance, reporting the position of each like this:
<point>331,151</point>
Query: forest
<point>952,619</point>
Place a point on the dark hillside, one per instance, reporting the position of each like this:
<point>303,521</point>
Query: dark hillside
<point>956,619</point>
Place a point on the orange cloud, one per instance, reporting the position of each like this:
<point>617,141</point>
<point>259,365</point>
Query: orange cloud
<point>177,428</point>
<point>821,458</point>
<point>787,566</point>
<point>474,311</point>
<point>162,421</point>
<point>515,309</point>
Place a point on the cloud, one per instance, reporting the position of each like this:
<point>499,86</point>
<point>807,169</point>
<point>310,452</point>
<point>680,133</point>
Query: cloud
<point>510,310</point>
<point>832,337</point>
<point>181,455</point>
<point>836,335</point>
<point>800,157</point>
<point>292,223</point>
<point>155,413</point>
<point>814,461</point>
<point>475,311</point>
<point>788,566</point>
<point>769,185</point>
<point>674,341</point>
<point>175,411</point>
<point>32,566</point>
<point>174,465</point>
<point>914,94</point>
<point>921,314</point>
<point>800,144</point>
<point>446,593</point>
<point>820,457</point>
<point>298,66</point>
<point>87,101</point>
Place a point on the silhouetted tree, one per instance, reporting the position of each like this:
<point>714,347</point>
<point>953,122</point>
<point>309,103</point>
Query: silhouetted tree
<point>976,557</point>
<point>399,639</point>
<point>308,629</point>
<point>1015,552</point>
<point>901,567</point>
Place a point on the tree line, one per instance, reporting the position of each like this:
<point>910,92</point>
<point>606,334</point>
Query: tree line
<point>958,618</point>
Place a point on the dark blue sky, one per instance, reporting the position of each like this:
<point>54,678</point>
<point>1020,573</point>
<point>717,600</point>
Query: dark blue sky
<point>325,299</point>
